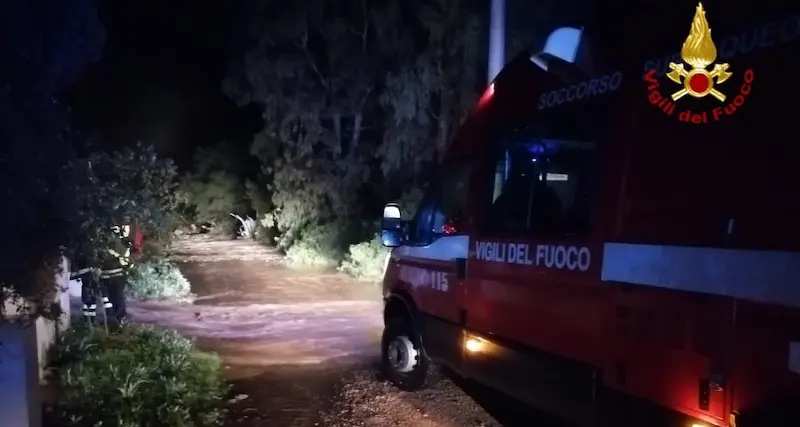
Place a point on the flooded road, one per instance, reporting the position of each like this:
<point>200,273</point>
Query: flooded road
<point>300,348</point>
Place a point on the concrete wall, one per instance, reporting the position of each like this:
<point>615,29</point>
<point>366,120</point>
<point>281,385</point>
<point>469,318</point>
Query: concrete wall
<point>23,358</point>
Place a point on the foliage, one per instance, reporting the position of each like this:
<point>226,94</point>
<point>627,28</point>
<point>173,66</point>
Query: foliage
<point>366,260</point>
<point>212,197</point>
<point>247,227</point>
<point>136,376</point>
<point>129,185</point>
<point>316,252</point>
<point>158,279</point>
<point>322,245</point>
<point>45,46</point>
<point>214,189</point>
<point>359,100</point>
<point>261,201</point>
<point>259,196</point>
<point>430,90</point>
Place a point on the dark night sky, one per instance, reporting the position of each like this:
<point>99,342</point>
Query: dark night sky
<point>160,77</point>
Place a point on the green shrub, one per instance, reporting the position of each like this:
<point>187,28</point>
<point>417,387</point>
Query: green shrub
<point>266,232</point>
<point>215,186</point>
<point>322,246</point>
<point>158,279</point>
<point>136,376</point>
<point>318,247</point>
<point>366,260</point>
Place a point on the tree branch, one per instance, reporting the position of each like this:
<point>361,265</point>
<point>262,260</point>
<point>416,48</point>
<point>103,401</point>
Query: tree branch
<point>304,47</point>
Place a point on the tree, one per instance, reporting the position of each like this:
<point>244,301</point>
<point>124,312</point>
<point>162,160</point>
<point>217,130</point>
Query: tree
<point>359,99</point>
<point>128,185</point>
<point>315,94</point>
<point>429,91</point>
<point>44,46</point>
<point>214,189</point>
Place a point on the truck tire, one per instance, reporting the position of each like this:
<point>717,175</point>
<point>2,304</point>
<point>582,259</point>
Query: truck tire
<point>403,360</point>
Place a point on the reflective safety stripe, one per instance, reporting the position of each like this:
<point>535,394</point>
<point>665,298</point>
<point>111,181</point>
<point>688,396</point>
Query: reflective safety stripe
<point>108,305</point>
<point>126,258</point>
<point>89,310</point>
<point>105,299</point>
<point>107,274</point>
<point>768,277</point>
<point>123,259</point>
<point>110,276</point>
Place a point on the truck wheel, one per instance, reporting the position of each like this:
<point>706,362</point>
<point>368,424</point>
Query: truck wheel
<point>403,359</point>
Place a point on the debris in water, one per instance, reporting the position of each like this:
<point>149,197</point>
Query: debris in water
<point>238,398</point>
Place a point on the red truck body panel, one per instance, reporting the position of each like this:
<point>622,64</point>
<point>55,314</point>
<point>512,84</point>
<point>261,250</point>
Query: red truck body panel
<point>684,290</point>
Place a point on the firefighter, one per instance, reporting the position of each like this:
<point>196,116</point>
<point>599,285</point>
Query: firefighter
<point>113,276</point>
<point>80,270</point>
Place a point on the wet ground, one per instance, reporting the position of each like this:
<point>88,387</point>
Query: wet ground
<point>300,348</point>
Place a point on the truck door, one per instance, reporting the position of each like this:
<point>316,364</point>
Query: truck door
<point>533,276</point>
<point>430,262</point>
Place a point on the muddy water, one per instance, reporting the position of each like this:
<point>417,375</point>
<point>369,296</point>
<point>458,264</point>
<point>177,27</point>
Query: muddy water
<point>287,339</point>
<point>231,282</point>
<point>300,348</point>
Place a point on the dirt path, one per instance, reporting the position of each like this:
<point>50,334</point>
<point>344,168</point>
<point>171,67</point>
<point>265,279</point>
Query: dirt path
<point>300,348</point>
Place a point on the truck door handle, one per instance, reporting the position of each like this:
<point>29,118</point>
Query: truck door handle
<point>461,268</point>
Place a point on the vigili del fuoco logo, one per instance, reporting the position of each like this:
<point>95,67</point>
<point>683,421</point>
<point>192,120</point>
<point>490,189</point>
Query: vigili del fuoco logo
<point>698,52</point>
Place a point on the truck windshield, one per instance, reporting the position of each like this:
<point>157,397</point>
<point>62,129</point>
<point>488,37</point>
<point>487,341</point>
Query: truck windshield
<point>439,212</point>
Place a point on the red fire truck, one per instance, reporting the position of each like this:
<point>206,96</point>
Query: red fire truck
<point>606,249</point>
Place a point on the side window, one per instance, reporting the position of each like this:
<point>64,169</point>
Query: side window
<point>443,205</point>
<point>541,185</point>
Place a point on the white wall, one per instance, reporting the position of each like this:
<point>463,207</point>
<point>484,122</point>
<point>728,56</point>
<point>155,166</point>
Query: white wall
<point>23,357</point>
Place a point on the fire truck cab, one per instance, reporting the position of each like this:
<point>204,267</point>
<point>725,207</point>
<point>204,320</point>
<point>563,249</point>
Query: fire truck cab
<point>612,239</point>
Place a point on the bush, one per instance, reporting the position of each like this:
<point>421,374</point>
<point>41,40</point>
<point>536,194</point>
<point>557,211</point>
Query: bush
<point>127,185</point>
<point>158,279</point>
<point>322,246</point>
<point>366,260</point>
<point>318,247</point>
<point>214,187</point>
<point>213,196</point>
<point>136,376</point>
<point>266,233</point>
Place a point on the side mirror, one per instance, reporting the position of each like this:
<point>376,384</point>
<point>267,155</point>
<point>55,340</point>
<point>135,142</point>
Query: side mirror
<point>392,226</point>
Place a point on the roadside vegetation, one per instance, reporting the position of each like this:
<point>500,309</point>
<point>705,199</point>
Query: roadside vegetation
<point>357,110</point>
<point>135,376</point>
<point>378,99</point>
<point>158,279</point>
